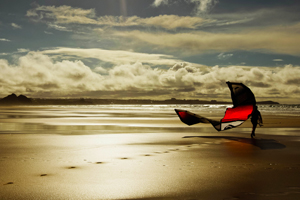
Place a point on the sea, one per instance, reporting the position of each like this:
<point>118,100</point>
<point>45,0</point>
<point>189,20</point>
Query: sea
<point>114,118</point>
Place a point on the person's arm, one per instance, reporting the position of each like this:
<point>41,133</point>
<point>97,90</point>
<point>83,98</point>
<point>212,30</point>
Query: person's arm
<point>260,119</point>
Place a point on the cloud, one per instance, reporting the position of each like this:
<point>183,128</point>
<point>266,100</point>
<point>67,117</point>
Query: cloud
<point>223,56</point>
<point>22,50</point>
<point>48,33</point>
<point>4,40</point>
<point>163,21</point>
<point>157,3</point>
<point>55,17</point>
<point>201,6</point>
<point>117,57</point>
<point>173,21</point>
<point>277,60</point>
<point>279,39</point>
<point>59,28</point>
<point>16,26</point>
<point>62,14</point>
<point>39,75</point>
<point>100,70</point>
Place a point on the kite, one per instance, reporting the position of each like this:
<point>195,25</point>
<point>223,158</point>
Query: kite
<point>243,105</point>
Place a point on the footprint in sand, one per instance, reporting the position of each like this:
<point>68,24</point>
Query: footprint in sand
<point>72,167</point>
<point>173,149</point>
<point>43,174</point>
<point>9,183</point>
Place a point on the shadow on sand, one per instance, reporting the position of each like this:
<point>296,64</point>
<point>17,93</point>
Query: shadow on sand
<point>264,144</point>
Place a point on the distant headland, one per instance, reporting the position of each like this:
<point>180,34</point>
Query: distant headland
<point>13,99</point>
<point>16,100</point>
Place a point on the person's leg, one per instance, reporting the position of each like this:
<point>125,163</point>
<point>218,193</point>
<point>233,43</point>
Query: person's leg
<point>253,130</point>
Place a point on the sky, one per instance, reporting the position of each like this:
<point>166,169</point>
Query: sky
<point>150,49</point>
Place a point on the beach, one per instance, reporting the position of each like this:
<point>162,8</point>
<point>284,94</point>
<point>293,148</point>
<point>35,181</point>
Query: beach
<point>142,153</point>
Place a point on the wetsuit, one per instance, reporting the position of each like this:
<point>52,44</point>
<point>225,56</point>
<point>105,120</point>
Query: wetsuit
<point>255,119</point>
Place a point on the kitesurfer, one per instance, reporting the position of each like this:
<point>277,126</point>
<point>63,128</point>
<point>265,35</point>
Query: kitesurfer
<point>255,119</point>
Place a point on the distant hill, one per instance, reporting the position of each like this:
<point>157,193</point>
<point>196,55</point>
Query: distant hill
<point>15,100</point>
<point>23,100</point>
<point>267,102</point>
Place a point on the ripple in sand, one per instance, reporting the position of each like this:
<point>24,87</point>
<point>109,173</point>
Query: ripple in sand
<point>43,174</point>
<point>124,158</point>
<point>232,198</point>
<point>269,168</point>
<point>99,162</point>
<point>294,188</point>
<point>72,167</point>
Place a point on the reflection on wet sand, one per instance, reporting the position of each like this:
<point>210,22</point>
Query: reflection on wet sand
<point>75,154</point>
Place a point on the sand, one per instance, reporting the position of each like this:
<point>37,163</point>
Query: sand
<point>175,162</point>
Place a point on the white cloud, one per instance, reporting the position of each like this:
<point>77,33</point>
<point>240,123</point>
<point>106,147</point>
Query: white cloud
<point>4,40</point>
<point>40,74</point>
<point>16,26</point>
<point>201,6</point>
<point>57,27</point>
<point>277,60</point>
<point>116,57</point>
<point>223,56</point>
<point>37,74</point>
<point>100,70</point>
<point>22,50</point>
<point>204,6</point>
<point>47,32</point>
<point>157,3</point>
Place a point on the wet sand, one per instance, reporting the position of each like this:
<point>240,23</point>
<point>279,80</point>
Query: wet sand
<point>180,163</point>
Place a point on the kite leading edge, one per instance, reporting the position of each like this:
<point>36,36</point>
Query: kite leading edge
<point>244,105</point>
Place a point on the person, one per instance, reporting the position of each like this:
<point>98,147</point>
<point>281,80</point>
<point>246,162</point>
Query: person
<point>255,119</point>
